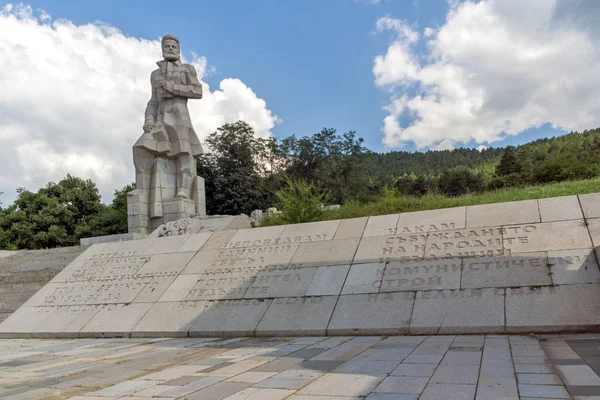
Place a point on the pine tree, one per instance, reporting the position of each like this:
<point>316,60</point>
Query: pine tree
<point>509,163</point>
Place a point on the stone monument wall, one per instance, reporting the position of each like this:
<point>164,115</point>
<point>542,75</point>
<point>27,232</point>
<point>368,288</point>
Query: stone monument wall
<point>527,266</point>
<point>23,273</point>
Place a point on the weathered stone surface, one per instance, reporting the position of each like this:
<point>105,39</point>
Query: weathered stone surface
<point>169,318</point>
<point>230,318</point>
<point>465,311</point>
<point>256,237</point>
<point>560,208</point>
<point>433,220</point>
<point>387,248</point>
<point>421,275</point>
<point>594,229</point>
<point>333,252</point>
<point>573,266</point>
<point>549,309</point>
<point>590,203</point>
<point>115,320</point>
<point>328,281</point>
<point>66,321</point>
<point>516,212</point>
<point>122,237</point>
<point>289,283</point>
<point>526,269</point>
<point>478,242</point>
<point>351,228</point>
<point>309,232</point>
<point>170,244</point>
<point>363,278</point>
<point>6,253</point>
<point>24,321</point>
<point>372,314</point>
<point>297,316</point>
<point>381,225</point>
<point>546,236</point>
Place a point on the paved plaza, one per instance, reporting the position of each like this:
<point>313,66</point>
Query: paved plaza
<point>310,368</point>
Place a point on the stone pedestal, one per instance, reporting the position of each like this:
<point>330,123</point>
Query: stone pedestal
<point>147,211</point>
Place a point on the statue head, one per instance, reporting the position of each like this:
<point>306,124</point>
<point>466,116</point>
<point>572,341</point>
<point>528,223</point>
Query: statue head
<point>170,47</point>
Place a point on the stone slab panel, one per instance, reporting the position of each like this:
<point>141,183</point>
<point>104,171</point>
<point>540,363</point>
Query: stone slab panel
<point>159,273</point>
<point>289,283</point>
<point>590,203</point>
<point>195,242</point>
<point>351,228</point>
<point>526,269</point>
<point>372,314</point>
<point>163,245</point>
<point>364,278</point>
<point>67,321</point>
<point>381,225</point>
<point>111,238</point>
<point>230,318</point>
<point>297,316</point>
<point>551,309</point>
<point>328,281</point>
<point>458,311</point>
<point>218,240</point>
<point>115,320</point>
<point>432,220</point>
<point>510,213</point>
<point>594,229</point>
<point>472,242</point>
<point>247,260</point>
<point>546,236</point>
<point>388,248</point>
<point>401,276</point>
<point>169,319</point>
<point>6,253</point>
<point>573,266</point>
<point>256,237</point>
<point>24,321</point>
<point>309,232</point>
<point>333,252</point>
<point>195,287</point>
<point>560,208</point>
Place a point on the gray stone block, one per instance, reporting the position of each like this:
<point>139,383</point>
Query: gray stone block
<point>458,311</point>
<point>115,320</point>
<point>516,212</point>
<point>594,229</point>
<point>464,243</point>
<point>526,269</point>
<point>328,281</point>
<point>364,278</point>
<point>573,266</point>
<point>24,321</point>
<point>289,283</point>
<point>306,316</point>
<point>552,309</point>
<point>309,232</point>
<point>590,203</point>
<point>229,318</point>
<point>351,228</point>
<point>66,321</point>
<point>111,238</point>
<point>372,314</point>
<point>432,220</point>
<point>388,248</point>
<point>169,319</point>
<point>421,275</point>
<point>560,208</point>
<point>333,252</point>
<point>381,225</point>
<point>256,237</point>
<point>546,236</point>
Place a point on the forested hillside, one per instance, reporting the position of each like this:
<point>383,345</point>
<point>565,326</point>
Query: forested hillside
<point>244,173</point>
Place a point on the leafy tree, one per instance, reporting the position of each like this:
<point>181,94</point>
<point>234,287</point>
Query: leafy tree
<point>300,201</point>
<point>459,181</point>
<point>236,170</point>
<point>111,219</point>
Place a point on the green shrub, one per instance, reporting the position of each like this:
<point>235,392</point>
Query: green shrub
<point>300,201</point>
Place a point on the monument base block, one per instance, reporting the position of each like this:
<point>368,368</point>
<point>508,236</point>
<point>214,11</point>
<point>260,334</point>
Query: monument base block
<point>521,267</point>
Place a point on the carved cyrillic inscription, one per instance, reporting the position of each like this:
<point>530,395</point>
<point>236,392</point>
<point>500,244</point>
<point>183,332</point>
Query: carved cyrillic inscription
<point>421,275</point>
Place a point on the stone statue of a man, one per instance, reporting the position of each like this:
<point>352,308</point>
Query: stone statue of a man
<point>164,156</point>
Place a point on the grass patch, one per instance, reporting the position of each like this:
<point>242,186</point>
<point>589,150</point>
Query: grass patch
<point>392,203</point>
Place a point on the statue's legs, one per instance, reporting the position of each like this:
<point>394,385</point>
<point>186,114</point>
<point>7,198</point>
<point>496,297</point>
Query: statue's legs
<point>143,161</point>
<point>186,168</point>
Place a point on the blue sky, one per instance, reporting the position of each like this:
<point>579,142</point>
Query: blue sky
<point>310,60</point>
<point>405,75</point>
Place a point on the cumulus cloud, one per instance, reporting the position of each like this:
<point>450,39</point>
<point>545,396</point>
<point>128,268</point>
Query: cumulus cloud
<point>494,68</point>
<point>73,99</point>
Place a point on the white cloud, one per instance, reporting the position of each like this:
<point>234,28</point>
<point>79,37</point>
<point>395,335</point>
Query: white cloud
<point>494,68</point>
<point>73,100</point>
